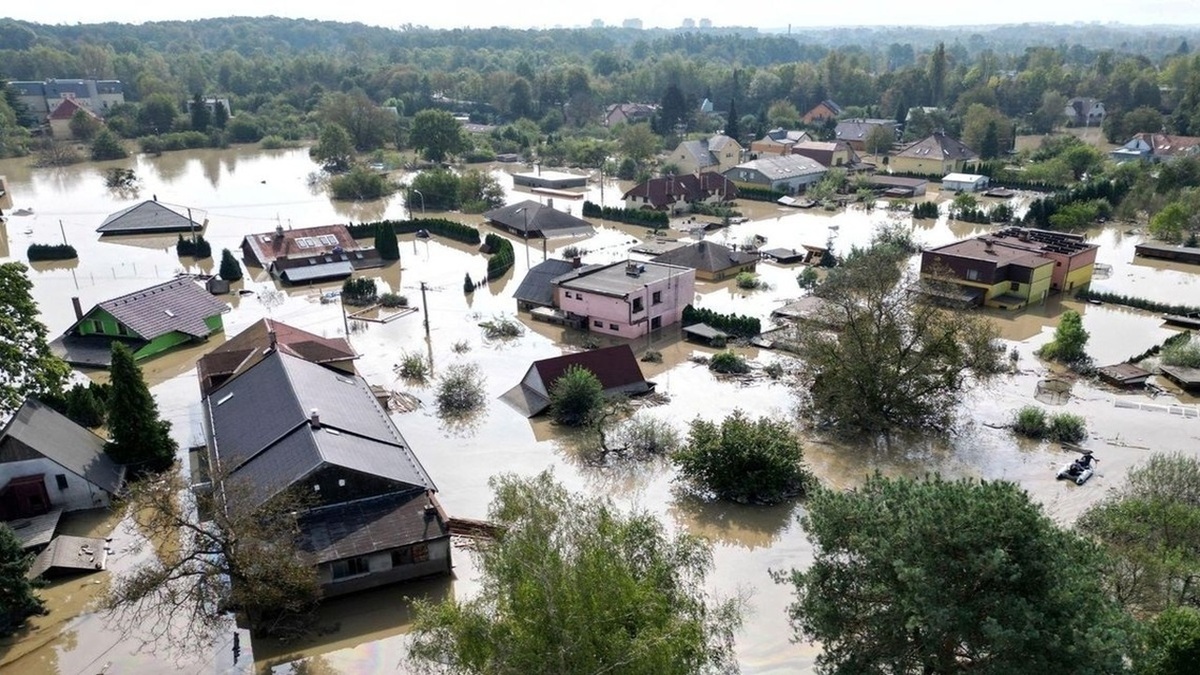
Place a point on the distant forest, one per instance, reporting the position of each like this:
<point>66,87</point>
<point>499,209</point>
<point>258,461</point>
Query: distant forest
<point>286,78</point>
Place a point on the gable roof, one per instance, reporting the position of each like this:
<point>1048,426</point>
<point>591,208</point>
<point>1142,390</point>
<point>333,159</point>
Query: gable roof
<point>859,129</point>
<point>707,256</point>
<point>699,153</point>
<point>64,442</point>
<point>266,247</point>
<point>616,368</point>
<point>829,105</point>
<point>67,109</point>
<point>938,146</point>
<point>538,218</point>
<point>242,351</point>
<point>365,526</point>
<point>177,305</point>
<point>666,190</point>
<point>782,167</point>
<point>262,428</point>
<point>1165,145</point>
<point>537,287</point>
<point>149,216</point>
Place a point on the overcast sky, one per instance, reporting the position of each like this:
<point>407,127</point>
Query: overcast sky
<point>481,14</point>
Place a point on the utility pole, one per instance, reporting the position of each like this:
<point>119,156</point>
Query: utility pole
<point>345,319</point>
<point>64,232</point>
<point>192,224</point>
<point>425,308</point>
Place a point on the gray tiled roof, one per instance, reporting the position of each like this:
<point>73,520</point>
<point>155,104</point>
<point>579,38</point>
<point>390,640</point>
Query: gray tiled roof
<point>149,216</point>
<point>176,305</point>
<point>781,167</point>
<point>536,287</point>
<point>706,255</point>
<point>538,218</point>
<point>69,445</point>
<point>261,428</point>
<point>370,525</point>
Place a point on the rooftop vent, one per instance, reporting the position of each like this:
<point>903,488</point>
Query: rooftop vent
<point>314,418</point>
<point>634,270</point>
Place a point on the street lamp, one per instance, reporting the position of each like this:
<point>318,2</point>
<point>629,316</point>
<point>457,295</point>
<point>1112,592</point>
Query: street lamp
<point>524,211</point>
<point>410,210</point>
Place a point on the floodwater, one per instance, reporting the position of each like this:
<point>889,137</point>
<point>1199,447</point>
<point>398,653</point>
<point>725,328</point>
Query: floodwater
<point>245,190</point>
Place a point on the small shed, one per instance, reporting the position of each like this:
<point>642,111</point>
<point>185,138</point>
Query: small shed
<point>549,179</point>
<point>785,256</point>
<point>67,554</point>
<point>1124,375</point>
<point>964,182</point>
<point>1187,378</point>
<point>702,332</point>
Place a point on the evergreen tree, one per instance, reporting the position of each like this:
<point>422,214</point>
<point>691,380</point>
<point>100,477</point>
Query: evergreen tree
<point>83,408</point>
<point>468,284</point>
<point>672,111</point>
<point>200,115</point>
<point>27,365</point>
<point>989,147</point>
<point>220,115</point>
<point>385,242</point>
<point>732,128</point>
<point>230,269</point>
<point>937,74</point>
<point>139,437</point>
<point>17,599</point>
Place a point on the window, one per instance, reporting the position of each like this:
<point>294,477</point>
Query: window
<point>656,298</point>
<point>1014,286</point>
<point>973,275</point>
<point>613,326</point>
<point>351,567</point>
<point>410,554</point>
<point>62,481</point>
<point>638,305</point>
<point>97,327</point>
<point>598,324</point>
<point>122,329</point>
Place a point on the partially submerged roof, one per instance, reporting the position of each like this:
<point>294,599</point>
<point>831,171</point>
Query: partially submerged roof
<point>149,216</point>
<point>365,526</point>
<point>527,217</point>
<point>962,178</point>
<point>242,351</point>
<point>665,190</point>
<point>177,305</point>
<point>64,442</point>
<point>616,368</point>
<point>707,256</point>
<point>266,247</point>
<point>621,278</point>
<point>705,331</point>
<point>263,428</point>
<point>808,308</point>
<point>782,167</point>
<point>995,250</point>
<point>316,269</point>
<point>537,287</point>
<point>67,553</point>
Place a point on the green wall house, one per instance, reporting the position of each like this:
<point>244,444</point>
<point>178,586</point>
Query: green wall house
<point>150,321</point>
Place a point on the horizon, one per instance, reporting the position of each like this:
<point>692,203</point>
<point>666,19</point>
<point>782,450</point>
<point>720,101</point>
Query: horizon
<point>1183,15</point>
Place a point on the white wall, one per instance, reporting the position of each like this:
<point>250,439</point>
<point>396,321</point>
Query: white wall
<point>79,494</point>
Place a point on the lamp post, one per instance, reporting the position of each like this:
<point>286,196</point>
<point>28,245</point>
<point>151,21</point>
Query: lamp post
<point>410,209</point>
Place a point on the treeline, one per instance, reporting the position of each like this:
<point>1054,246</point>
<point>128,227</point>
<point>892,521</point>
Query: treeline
<point>1077,207</point>
<point>647,217</point>
<point>734,324</point>
<point>439,226</point>
<point>1136,303</point>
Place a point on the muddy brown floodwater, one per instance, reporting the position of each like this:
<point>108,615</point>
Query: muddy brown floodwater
<point>246,190</point>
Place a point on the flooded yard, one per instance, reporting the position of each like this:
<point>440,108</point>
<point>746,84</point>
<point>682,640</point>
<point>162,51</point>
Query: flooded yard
<point>243,191</point>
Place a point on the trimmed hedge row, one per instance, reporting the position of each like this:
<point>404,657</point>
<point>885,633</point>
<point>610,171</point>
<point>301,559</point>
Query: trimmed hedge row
<point>1156,349</point>
<point>1041,210</point>
<point>758,194</point>
<point>502,258</point>
<point>197,248</point>
<point>734,324</point>
<point>633,216</point>
<point>439,226</point>
<point>51,252</point>
<point>1136,303</point>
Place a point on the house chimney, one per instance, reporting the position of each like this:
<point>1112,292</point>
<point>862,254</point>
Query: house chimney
<point>576,262</point>
<point>279,231</point>
<point>314,419</point>
<point>274,341</point>
<point>78,308</point>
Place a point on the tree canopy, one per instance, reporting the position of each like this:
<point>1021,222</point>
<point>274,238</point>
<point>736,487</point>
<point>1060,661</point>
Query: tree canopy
<point>27,366</point>
<point>573,585</point>
<point>18,600</point>
<point>138,437</point>
<point>576,396</point>
<point>932,576</point>
<point>437,135</point>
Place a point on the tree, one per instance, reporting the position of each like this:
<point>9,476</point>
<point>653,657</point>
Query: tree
<point>245,557</point>
<point>231,269</point>
<point>157,114</point>
<point>672,110</point>
<point>220,114</point>
<point>1172,645</point>
<point>783,114</point>
<point>743,460</point>
<point>83,406</point>
<point>84,126</point>
<point>1050,114</point>
<point>933,576</point>
<point>479,191</point>
<point>1174,222</point>
<point>638,142</point>
<point>1151,530</point>
<point>334,149</point>
<point>937,74</point>
<point>571,585</point>
<point>1082,159</point>
<point>438,135</point>
<point>107,146</point>
<point>200,115</point>
<point>17,598</point>
<point>732,128</point>
<point>27,366</point>
<point>879,139</point>
<point>896,361</point>
<point>138,437</point>
<point>1070,340</point>
<point>576,396</point>
<point>369,125</point>
<point>979,122</point>
<point>520,99</point>
<point>385,241</point>
<point>989,145</point>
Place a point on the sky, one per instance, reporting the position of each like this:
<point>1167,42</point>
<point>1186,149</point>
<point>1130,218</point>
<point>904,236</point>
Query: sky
<point>486,13</point>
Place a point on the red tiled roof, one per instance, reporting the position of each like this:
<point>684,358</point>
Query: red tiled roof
<point>302,242</point>
<point>249,347</point>
<point>66,110</point>
<point>667,190</point>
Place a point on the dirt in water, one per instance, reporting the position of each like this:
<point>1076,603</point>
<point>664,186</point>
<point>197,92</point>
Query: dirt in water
<point>245,191</point>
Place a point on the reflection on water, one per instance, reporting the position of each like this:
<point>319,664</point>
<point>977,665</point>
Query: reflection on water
<point>270,188</point>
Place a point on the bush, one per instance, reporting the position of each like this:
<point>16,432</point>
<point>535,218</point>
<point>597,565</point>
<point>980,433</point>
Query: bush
<point>747,280</point>
<point>1184,352</point>
<point>461,390</point>
<point>808,279</point>
<point>439,226</point>
<point>640,437</point>
<point>106,145</point>
<point>742,460</point>
<point>386,243</point>
<point>182,140</point>
<point>734,324</point>
<point>925,210</point>
<point>359,292</point>
<point>468,284</point>
<point>1066,428</point>
<point>274,142</point>
<point>195,247</point>
<point>86,404</point>
<point>360,183</point>
<point>728,362</point>
<point>502,258</point>
<point>758,194</point>
<point>1070,340</point>
<point>646,217</point>
<point>1030,421</point>
<point>502,328</point>
<point>392,300</point>
<point>413,367</point>
<point>51,252</point>
<point>230,269</point>
<point>576,396</point>
<point>1172,643</point>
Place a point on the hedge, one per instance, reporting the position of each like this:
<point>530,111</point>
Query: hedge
<point>197,248</point>
<point>1154,351</point>
<point>633,216</point>
<point>1041,210</point>
<point>51,252</point>
<point>439,226</point>
<point>758,194</point>
<point>734,324</point>
<point>1136,303</point>
<point>502,257</point>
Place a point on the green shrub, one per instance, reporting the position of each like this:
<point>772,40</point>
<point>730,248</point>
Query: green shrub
<point>646,217</point>
<point>576,396</point>
<point>925,210</point>
<point>413,367</point>
<point>468,284</point>
<point>274,142</point>
<point>439,226</point>
<point>728,362</point>
<point>51,252</point>
<point>747,280</point>
<point>503,257</point>
<point>1066,428</point>
<point>230,269</point>
<point>743,460</point>
<point>195,247</point>
<point>1070,340</point>
<point>1030,421</point>
<point>734,324</point>
<point>502,328</point>
<point>460,390</point>
<point>1184,353</point>
<point>808,279</point>
<point>758,194</point>
<point>360,183</point>
<point>360,291</point>
<point>392,300</point>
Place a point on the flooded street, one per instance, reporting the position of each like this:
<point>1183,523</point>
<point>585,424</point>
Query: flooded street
<point>243,191</point>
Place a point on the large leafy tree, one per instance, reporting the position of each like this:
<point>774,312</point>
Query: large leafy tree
<point>27,366</point>
<point>334,149</point>
<point>138,437</point>
<point>157,114</point>
<point>894,360</point>
<point>932,576</point>
<point>369,125</point>
<point>576,396</point>
<point>572,585</point>
<point>17,598</point>
<point>437,135</point>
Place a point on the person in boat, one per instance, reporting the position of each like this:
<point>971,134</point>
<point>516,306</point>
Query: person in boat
<point>1084,462</point>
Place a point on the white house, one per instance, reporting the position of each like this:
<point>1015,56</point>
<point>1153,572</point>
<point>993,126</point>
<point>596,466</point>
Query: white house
<point>787,173</point>
<point>964,182</point>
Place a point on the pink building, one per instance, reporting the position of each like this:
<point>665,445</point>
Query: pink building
<point>626,299</point>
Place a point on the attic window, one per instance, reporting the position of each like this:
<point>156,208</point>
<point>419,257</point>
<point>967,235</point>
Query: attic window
<point>335,432</point>
<point>169,313</point>
<point>225,398</point>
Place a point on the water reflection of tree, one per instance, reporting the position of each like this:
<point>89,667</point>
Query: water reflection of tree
<point>750,527</point>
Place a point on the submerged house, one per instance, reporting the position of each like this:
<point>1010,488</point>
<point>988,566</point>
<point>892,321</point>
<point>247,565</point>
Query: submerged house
<point>537,287</point>
<point>150,217</point>
<point>787,173</point>
<point>528,219</point>
<point>625,299</point>
<point>49,462</point>
<point>936,154</point>
<point>240,352</point>
<point>288,423</point>
<point>718,153</point>
<point>309,254</point>
<point>712,261</point>
<point>678,194</point>
<point>616,368</point>
<point>150,322</point>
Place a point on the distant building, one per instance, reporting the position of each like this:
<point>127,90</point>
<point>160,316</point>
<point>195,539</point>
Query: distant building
<point>935,155</point>
<point>677,194</point>
<point>1084,112</point>
<point>1156,148</point>
<point>712,261</point>
<point>309,254</point>
<point>41,98</point>
<point>964,182</point>
<point>626,299</point>
<point>831,154</point>
<point>790,173</point>
<point>718,153</point>
<point>60,119</point>
<point>779,141</point>
<point>556,180</point>
<point>856,131</point>
<point>628,113</point>
<point>528,219</point>
<point>825,110</point>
